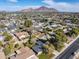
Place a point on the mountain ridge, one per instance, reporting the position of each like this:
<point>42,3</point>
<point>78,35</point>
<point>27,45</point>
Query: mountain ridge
<point>40,9</point>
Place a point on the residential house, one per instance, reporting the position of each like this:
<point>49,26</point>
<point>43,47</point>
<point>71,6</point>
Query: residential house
<point>24,53</point>
<point>21,35</point>
<point>38,34</point>
<point>12,27</point>
<point>2,55</point>
<point>38,47</point>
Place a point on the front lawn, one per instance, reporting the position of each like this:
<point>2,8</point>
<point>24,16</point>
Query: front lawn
<point>43,56</point>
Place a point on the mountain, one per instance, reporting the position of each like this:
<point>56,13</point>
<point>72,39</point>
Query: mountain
<point>40,9</point>
<point>27,10</point>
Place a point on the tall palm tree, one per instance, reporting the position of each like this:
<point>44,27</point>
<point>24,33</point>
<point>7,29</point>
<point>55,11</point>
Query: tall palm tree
<point>30,33</point>
<point>45,31</point>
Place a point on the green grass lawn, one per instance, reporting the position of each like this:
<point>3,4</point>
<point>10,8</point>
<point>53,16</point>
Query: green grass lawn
<point>43,56</point>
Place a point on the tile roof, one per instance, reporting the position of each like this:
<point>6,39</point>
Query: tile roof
<point>21,33</point>
<point>26,53</point>
<point>2,55</point>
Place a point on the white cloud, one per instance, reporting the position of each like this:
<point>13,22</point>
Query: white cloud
<point>62,6</point>
<point>14,1</point>
<point>9,8</point>
<point>49,2</point>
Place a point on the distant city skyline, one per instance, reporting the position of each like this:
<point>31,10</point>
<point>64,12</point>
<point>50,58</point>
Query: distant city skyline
<point>61,5</point>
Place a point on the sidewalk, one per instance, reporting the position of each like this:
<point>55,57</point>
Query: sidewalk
<point>65,47</point>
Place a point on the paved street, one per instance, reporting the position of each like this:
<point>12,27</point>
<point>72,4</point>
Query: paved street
<point>69,51</point>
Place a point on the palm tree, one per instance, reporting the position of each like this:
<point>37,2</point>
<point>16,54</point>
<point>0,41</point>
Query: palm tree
<point>46,33</point>
<point>28,23</point>
<point>30,33</point>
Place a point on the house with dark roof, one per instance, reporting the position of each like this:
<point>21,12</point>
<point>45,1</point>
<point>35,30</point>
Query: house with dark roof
<point>38,47</point>
<point>12,27</point>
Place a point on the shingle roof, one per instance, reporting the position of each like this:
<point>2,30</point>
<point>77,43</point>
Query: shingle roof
<point>39,43</point>
<point>37,49</point>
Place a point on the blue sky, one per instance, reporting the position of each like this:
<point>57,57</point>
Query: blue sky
<point>61,5</point>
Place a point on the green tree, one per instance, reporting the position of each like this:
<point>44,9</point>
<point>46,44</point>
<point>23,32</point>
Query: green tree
<point>59,46</point>
<point>2,26</point>
<point>17,45</point>
<point>59,39</point>
<point>73,33</point>
<point>45,31</point>
<point>60,36</point>
<point>30,37</point>
<point>48,50</point>
<point>28,23</point>
<point>74,20</point>
<point>8,37</point>
<point>76,31</point>
<point>8,49</point>
<point>1,43</point>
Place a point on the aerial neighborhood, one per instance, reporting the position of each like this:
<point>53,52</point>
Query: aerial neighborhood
<point>41,33</point>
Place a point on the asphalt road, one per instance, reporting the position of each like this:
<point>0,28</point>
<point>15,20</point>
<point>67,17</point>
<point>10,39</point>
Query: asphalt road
<point>69,51</point>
